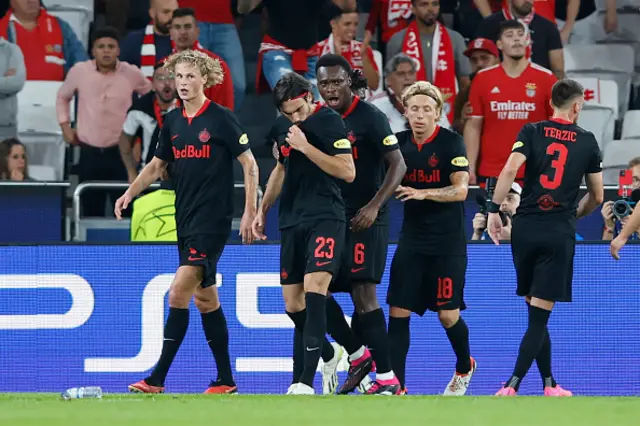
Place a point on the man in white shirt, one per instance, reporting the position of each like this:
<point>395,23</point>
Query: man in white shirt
<point>400,73</point>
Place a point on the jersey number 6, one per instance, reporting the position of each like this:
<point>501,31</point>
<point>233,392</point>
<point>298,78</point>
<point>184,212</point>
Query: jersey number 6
<point>557,165</point>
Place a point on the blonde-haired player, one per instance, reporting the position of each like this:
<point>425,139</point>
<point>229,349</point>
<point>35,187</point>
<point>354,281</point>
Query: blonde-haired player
<point>200,140</point>
<point>428,268</point>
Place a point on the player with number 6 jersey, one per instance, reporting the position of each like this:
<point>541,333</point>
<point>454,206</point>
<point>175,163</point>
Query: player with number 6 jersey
<point>428,268</point>
<point>558,155</point>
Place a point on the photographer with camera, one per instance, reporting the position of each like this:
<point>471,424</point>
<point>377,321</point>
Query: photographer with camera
<point>507,210</point>
<point>616,214</point>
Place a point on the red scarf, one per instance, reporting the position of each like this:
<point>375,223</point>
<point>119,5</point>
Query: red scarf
<point>525,21</point>
<point>398,14</point>
<point>148,52</point>
<point>352,51</point>
<point>443,70</point>
<point>52,39</point>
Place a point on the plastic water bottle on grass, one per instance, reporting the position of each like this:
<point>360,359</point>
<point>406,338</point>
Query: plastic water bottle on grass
<point>84,392</point>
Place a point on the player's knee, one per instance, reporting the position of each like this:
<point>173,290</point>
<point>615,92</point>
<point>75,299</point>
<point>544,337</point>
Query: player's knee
<point>179,297</point>
<point>396,312</point>
<point>206,303</point>
<point>449,318</point>
<point>365,298</point>
<point>317,282</point>
<point>293,300</point>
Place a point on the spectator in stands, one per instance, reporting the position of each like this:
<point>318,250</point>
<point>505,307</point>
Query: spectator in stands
<point>49,45</point>
<point>184,34</point>
<point>544,45</point>
<point>290,44</point>
<point>482,53</point>
<point>545,8</point>
<point>587,28</point>
<point>508,208</point>
<point>438,50</point>
<point>13,160</point>
<point>147,114</point>
<point>12,78</point>
<point>144,48</point>
<point>392,15</point>
<point>611,224</point>
<point>342,41</point>
<point>105,87</point>
<point>501,100</point>
<point>218,34</point>
<point>400,73</point>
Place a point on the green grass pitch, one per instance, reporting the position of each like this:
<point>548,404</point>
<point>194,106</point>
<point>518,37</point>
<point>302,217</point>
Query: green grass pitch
<point>258,410</point>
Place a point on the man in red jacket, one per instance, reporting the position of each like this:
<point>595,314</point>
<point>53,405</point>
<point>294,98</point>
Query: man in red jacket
<point>184,35</point>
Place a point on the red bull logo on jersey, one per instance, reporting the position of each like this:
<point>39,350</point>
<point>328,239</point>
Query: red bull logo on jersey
<point>191,151</point>
<point>420,176</point>
<point>510,110</point>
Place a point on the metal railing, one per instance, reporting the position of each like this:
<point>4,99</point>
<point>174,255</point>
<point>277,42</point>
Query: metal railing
<point>34,184</point>
<point>81,188</point>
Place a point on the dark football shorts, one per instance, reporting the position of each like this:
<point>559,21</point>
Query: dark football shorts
<point>310,247</point>
<point>543,258</point>
<point>421,282</point>
<point>364,258</point>
<point>202,250</point>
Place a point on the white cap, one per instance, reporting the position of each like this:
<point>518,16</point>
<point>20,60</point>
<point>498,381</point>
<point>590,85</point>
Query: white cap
<point>515,187</point>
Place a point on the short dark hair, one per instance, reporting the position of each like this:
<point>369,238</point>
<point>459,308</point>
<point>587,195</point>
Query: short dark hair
<point>290,86</point>
<point>332,60</point>
<point>105,32</point>
<point>565,91</point>
<point>511,24</point>
<point>181,12</point>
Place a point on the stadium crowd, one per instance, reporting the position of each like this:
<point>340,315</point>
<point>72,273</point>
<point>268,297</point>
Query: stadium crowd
<point>98,65</point>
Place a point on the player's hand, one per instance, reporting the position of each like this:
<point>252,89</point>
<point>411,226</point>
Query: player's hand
<point>365,217</point>
<point>246,227</point>
<point>297,139</point>
<point>121,204</point>
<point>257,227</point>
<point>607,214</point>
<point>479,223</point>
<point>404,193</point>
<point>616,245</point>
<point>494,224</point>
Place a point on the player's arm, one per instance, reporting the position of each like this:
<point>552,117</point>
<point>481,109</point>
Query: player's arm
<point>508,176</point>
<point>271,194</point>
<point>339,165</point>
<point>250,173</point>
<point>455,192</point>
<point>153,171</point>
<point>246,6</point>
<point>594,196</point>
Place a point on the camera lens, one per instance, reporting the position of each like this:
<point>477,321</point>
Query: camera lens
<point>621,209</point>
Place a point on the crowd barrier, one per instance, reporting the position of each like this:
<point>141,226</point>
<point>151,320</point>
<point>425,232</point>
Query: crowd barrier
<point>81,315</point>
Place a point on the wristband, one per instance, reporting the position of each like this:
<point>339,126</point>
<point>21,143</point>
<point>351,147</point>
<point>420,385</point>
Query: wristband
<point>493,207</point>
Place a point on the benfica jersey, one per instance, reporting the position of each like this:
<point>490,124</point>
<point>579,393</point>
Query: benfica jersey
<point>506,104</point>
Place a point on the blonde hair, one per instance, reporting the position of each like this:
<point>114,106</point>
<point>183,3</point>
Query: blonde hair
<point>423,88</point>
<point>208,66</point>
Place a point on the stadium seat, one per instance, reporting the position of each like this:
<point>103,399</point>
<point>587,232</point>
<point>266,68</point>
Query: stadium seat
<point>38,172</point>
<point>600,92</point>
<point>38,125</point>
<point>379,62</point>
<point>78,17</point>
<point>600,120</point>
<point>631,126</point>
<point>616,158</point>
<point>605,62</point>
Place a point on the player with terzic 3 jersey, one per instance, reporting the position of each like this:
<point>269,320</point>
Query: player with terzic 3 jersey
<point>558,155</point>
<point>200,140</point>
<point>313,157</point>
<point>374,147</point>
<point>429,265</point>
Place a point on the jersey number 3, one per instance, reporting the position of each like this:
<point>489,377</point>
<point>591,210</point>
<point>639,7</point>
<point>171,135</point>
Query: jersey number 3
<point>557,165</point>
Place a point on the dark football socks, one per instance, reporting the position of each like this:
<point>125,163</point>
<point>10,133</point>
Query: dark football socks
<point>458,336</point>
<point>374,330</point>
<point>339,329</point>
<point>314,335</point>
<point>217,334</point>
<point>544,362</point>
<point>399,339</point>
<point>530,346</point>
<point>299,319</point>
<point>174,331</point>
